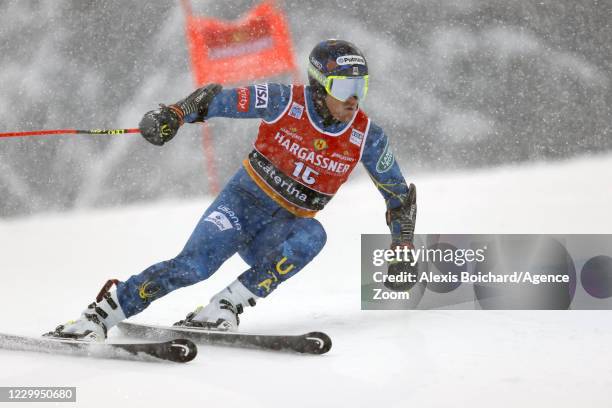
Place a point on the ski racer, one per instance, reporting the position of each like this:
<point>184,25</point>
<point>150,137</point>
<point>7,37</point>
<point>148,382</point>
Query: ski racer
<point>310,140</point>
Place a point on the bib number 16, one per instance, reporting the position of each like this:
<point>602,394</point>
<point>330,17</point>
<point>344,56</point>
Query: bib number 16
<point>307,174</point>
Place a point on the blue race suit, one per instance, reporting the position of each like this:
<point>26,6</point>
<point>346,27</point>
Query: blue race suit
<point>243,219</point>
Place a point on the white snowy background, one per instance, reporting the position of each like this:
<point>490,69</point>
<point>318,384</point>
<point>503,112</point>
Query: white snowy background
<point>499,111</point>
<point>53,265</point>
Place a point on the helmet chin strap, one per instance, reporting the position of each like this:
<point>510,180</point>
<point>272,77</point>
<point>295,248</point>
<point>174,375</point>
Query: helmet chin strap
<point>318,97</point>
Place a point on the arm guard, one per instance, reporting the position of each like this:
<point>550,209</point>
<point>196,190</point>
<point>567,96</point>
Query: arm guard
<point>197,102</point>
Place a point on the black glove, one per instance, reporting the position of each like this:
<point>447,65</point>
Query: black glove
<point>401,222</point>
<point>160,126</point>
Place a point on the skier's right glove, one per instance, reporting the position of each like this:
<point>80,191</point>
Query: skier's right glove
<point>160,125</point>
<point>401,222</point>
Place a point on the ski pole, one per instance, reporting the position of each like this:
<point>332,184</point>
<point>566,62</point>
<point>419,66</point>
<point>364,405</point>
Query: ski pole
<point>70,131</point>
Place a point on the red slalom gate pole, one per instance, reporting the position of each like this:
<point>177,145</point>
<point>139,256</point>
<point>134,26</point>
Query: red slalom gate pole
<point>209,154</point>
<point>70,132</point>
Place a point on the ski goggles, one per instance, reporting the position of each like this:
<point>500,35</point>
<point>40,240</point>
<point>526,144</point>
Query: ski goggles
<point>342,87</point>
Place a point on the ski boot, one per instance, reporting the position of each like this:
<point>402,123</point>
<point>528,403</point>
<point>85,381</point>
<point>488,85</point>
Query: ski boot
<point>95,321</point>
<point>222,312</point>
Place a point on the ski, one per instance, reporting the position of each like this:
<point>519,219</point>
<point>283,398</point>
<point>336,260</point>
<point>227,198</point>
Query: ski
<point>175,350</point>
<point>310,343</point>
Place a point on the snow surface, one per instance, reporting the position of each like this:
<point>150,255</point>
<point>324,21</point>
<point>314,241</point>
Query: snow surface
<point>53,265</point>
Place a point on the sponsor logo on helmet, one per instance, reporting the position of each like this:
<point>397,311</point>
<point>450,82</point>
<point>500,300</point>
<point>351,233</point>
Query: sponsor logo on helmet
<point>261,96</point>
<point>296,110</point>
<point>316,63</point>
<point>386,160</point>
<point>356,137</point>
<point>350,60</point>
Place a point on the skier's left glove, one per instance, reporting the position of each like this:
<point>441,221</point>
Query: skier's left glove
<point>161,125</point>
<point>401,222</point>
